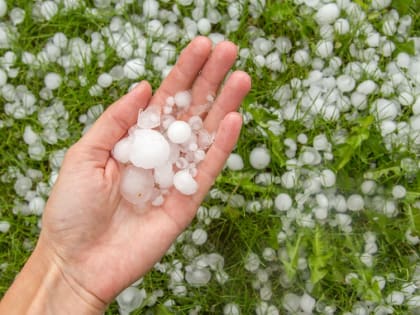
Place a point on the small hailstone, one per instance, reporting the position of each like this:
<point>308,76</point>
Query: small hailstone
<point>366,87</point>
<point>195,122</point>
<point>149,149</point>
<point>320,143</point>
<point>231,309</point>
<point>179,132</point>
<point>37,205</point>
<point>104,80</point>
<point>324,48</point>
<point>355,202</point>
<point>387,48</point>
<point>164,176</point>
<point>406,98</point>
<point>283,202</point>
<point>259,158</point>
<point>150,8</point>
<point>48,9</point>
<point>301,57</point>
<point>398,192</point>
<point>387,127</point>
<point>395,298</point>
<point>327,14</point>
<point>4,226</point>
<point>368,187</point>
<point>130,299</point>
<point>199,236</point>
<point>134,68</point>
<point>345,83</point>
<point>342,26</point>
<point>235,162</point>
<point>52,81</point>
<point>197,276</point>
<point>307,303</point>
<point>3,8</point>
<point>204,26</point>
<point>291,302</point>
<point>358,100</point>
<point>380,4</point>
<point>183,99</point>
<point>29,136</point>
<point>289,179</point>
<point>185,183</point>
<point>149,118</point>
<point>252,262</point>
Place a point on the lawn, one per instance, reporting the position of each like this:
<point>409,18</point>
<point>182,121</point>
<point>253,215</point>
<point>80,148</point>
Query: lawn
<point>329,225</point>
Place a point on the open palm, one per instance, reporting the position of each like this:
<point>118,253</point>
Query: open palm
<point>100,242</point>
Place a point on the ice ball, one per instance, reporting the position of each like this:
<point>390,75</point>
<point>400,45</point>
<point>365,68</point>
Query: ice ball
<point>183,99</point>
<point>179,132</point>
<point>185,183</point>
<point>122,149</point>
<point>259,158</point>
<point>52,81</point>
<point>235,162</point>
<point>149,149</point>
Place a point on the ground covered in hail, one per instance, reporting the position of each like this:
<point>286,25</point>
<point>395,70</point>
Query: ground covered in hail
<point>317,210</point>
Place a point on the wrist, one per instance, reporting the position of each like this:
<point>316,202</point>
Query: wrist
<point>43,288</point>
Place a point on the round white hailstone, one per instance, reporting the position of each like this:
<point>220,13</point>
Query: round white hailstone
<point>389,27</point>
<point>104,80</point>
<point>235,162</point>
<point>149,118</point>
<point>355,202</point>
<point>4,226</point>
<point>134,68</point>
<point>154,28</point>
<point>185,183</point>
<point>291,302</point>
<point>179,132</point>
<point>320,213</point>
<point>259,158</point>
<point>387,48</point>
<point>130,299</point>
<point>204,26</point>
<point>307,303</point>
<point>199,236</point>
<point>22,185</point>
<point>324,48</point>
<point>37,205</point>
<point>259,61</point>
<point>368,187</point>
<point>380,4</point>
<point>283,202</point>
<point>358,100</point>
<point>302,138</point>
<point>388,127</point>
<point>29,136</point>
<point>3,78</point>
<point>183,99</point>
<point>320,143</point>
<point>403,60</point>
<point>149,149</point>
<point>288,179</point>
<point>122,149</point>
<point>252,262</point>
<point>331,113</point>
<point>398,192</point>
<point>301,57</point>
<point>345,83</point>
<point>164,176</point>
<point>273,62</point>
<point>366,87</point>
<point>150,8</point>
<point>36,151</point>
<point>327,14</point>
<point>385,109</point>
<point>52,81</point>
<point>196,123</point>
<point>48,9</point>
<point>342,26</point>
<point>395,298</point>
<point>136,185</point>
<point>405,98</point>
<point>231,309</point>
<point>197,276</point>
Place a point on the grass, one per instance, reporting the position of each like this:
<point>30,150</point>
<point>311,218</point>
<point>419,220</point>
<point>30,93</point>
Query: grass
<point>330,253</point>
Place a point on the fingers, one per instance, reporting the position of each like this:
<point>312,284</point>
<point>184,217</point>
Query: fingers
<point>116,120</point>
<point>208,82</point>
<point>185,71</point>
<point>208,170</point>
<point>229,100</point>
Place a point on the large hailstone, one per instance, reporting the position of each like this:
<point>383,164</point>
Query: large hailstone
<point>136,185</point>
<point>327,14</point>
<point>179,132</point>
<point>149,149</point>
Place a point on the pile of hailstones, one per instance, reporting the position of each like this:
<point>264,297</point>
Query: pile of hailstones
<point>162,151</point>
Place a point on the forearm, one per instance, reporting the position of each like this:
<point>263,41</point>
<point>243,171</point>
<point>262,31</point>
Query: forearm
<point>42,288</point>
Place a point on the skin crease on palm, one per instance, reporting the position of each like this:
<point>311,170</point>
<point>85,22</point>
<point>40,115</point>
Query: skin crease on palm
<point>98,241</point>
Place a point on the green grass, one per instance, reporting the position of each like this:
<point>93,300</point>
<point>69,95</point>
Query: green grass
<point>330,253</point>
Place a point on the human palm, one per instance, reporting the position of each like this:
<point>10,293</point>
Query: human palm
<point>100,242</point>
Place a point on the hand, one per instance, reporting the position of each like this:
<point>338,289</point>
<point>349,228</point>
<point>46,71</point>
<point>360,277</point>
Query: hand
<point>99,242</point>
